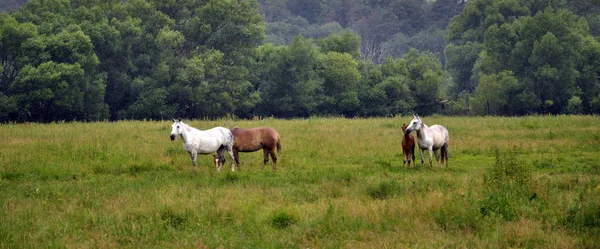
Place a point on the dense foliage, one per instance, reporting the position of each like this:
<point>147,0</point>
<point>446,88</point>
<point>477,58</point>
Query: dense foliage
<point>517,57</point>
<point>149,59</point>
<point>504,57</point>
<point>93,60</point>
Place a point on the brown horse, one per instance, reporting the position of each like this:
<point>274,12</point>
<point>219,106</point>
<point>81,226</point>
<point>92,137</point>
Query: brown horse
<point>408,146</point>
<point>250,140</point>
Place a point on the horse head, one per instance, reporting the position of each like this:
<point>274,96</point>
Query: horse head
<point>415,124</point>
<point>176,128</point>
<point>404,127</point>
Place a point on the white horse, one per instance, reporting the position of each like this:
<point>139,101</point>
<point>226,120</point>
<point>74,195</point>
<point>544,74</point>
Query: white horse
<point>204,142</point>
<point>432,138</point>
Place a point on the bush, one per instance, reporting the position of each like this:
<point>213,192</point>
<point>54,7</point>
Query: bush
<point>574,106</point>
<point>507,170</point>
<point>283,220</point>
<point>458,215</point>
<point>507,187</point>
<point>383,190</point>
<point>584,213</point>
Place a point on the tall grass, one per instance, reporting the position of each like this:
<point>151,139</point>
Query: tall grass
<point>511,182</point>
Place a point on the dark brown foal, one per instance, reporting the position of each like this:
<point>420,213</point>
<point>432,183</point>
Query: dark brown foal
<point>408,146</point>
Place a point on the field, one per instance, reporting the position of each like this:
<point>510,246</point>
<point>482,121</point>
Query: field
<point>526,182</point>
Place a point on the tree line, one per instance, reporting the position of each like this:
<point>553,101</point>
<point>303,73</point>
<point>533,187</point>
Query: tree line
<point>149,59</point>
<point>514,57</point>
<point>503,57</point>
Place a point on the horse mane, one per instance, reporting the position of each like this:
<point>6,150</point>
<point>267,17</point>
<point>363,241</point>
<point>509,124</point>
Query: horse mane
<point>187,127</point>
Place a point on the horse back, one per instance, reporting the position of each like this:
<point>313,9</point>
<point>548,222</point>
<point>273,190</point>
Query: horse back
<point>440,135</point>
<point>221,133</point>
<point>248,140</point>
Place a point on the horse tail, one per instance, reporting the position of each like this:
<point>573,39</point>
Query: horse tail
<point>445,153</point>
<point>278,145</point>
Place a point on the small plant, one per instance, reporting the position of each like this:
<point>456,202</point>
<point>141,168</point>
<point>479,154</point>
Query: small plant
<point>457,215</point>
<point>543,164</point>
<point>507,186</point>
<point>174,219</point>
<point>503,201</point>
<point>383,190</point>
<point>283,220</point>
<point>137,168</point>
<point>584,213</point>
<point>507,170</point>
<point>230,178</point>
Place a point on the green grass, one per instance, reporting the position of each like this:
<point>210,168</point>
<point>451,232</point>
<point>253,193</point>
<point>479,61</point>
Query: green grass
<point>527,182</point>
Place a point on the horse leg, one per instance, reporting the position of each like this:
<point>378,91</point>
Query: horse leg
<point>430,149</point>
<point>410,154</point>
<point>216,159</point>
<point>266,158</point>
<point>230,152</point>
<point>193,156</point>
<point>237,157</point>
<point>422,156</point>
<point>221,157</point>
<point>274,158</point>
<point>404,158</point>
<point>437,157</point>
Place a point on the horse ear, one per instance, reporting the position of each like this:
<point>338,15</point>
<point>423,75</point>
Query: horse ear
<point>174,120</point>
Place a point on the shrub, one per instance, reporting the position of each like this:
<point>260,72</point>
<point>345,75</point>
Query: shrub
<point>283,220</point>
<point>458,215</point>
<point>507,170</point>
<point>383,190</point>
<point>584,213</point>
<point>506,187</point>
<point>176,219</point>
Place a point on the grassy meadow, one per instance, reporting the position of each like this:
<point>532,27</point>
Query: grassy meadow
<point>526,182</point>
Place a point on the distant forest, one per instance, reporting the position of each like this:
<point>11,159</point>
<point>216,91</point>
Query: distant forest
<point>93,60</point>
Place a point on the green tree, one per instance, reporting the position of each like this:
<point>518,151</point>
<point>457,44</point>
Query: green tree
<point>492,95</point>
<point>460,60</point>
<point>466,33</point>
<point>151,104</point>
<point>340,78</point>
<point>399,98</point>
<point>53,91</point>
<point>292,88</point>
<point>574,105</point>
<point>59,79</point>
<point>346,42</point>
<point>550,54</point>
<point>12,35</point>
<point>402,86</point>
<point>425,73</point>
<point>311,10</point>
